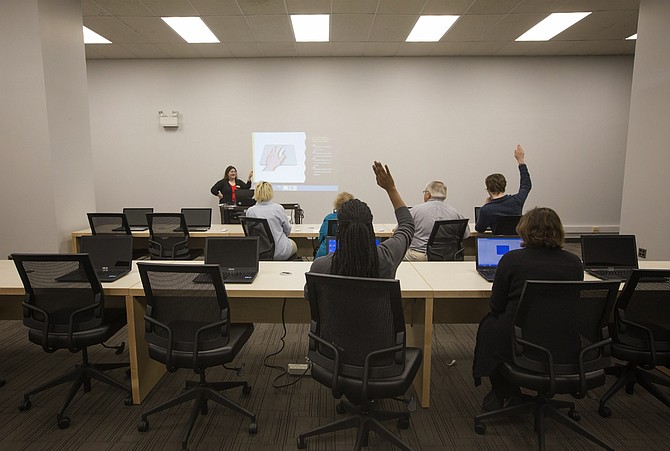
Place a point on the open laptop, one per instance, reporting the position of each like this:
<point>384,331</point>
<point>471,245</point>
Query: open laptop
<point>609,257</point>
<point>332,244</point>
<point>236,256</point>
<point>111,257</point>
<point>137,218</point>
<point>490,250</point>
<point>244,198</point>
<point>197,219</point>
<point>477,213</point>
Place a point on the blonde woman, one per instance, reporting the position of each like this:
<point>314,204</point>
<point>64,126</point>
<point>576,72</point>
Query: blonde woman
<point>274,213</point>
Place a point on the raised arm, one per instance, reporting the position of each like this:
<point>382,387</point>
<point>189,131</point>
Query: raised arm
<point>385,181</point>
<point>524,183</point>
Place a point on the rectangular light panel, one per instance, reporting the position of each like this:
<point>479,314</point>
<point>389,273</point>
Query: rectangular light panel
<point>431,28</point>
<point>91,37</point>
<point>551,26</point>
<point>632,37</point>
<point>192,29</point>
<point>311,27</point>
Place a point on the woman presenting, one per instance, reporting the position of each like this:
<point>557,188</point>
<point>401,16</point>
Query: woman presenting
<point>225,188</point>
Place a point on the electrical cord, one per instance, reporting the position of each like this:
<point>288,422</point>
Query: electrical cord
<point>283,370</point>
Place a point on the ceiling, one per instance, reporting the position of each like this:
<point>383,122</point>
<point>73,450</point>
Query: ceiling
<point>262,28</point>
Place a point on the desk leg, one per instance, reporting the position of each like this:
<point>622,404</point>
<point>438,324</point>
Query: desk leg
<point>420,335</point>
<point>145,372</point>
<point>74,245</point>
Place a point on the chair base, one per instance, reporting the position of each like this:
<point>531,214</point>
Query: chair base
<point>81,375</point>
<point>541,407</point>
<point>364,422</point>
<point>628,376</point>
<point>202,392</point>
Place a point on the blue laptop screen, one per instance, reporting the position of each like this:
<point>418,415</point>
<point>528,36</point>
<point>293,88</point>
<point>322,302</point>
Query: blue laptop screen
<point>491,249</point>
<point>332,243</point>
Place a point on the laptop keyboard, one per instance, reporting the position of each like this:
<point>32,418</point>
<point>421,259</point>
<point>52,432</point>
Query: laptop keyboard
<point>612,273</point>
<point>236,275</point>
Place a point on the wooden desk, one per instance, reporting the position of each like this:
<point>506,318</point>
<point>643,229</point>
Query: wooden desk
<point>261,302</point>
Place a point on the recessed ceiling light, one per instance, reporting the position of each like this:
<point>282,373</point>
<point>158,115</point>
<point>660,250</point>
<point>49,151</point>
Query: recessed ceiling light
<point>632,37</point>
<point>431,28</point>
<point>311,27</point>
<point>551,26</point>
<point>91,37</point>
<point>192,29</point>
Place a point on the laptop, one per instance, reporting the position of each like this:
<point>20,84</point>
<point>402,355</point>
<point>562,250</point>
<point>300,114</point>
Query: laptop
<point>490,250</point>
<point>236,256</point>
<point>332,244</point>
<point>244,198</point>
<point>609,257</point>
<point>477,213</point>
<point>197,219</point>
<point>111,257</point>
<point>137,218</point>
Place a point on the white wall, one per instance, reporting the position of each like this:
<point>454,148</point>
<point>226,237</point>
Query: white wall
<point>46,172</point>
<point>453,119</point>
<point>646,196</point>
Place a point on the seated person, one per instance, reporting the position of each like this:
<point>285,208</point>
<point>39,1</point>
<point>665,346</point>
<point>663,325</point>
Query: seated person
<point>541,258</point>
<point>500,204</point>
<point>356,254</point>
<point>323,231</point>
<point>274,213</point>
<point>432,209</point>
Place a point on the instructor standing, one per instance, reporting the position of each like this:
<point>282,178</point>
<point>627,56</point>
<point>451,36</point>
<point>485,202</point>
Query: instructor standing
<point>225,188</point>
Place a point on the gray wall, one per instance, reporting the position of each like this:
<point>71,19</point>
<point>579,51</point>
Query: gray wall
<point>46,173</point>
<point>453,119</point>
<point>646,195</point>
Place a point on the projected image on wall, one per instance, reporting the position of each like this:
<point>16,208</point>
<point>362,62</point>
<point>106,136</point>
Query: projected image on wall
<point>293,161</point>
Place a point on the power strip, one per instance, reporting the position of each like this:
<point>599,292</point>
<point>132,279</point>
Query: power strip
<point>299,369</point>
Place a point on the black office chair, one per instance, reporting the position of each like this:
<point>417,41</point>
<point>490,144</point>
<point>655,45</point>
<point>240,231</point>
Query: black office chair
<point>357,348</point>
<point>168,236</point>
<point>505,225</point>
<point>64,308</point>
<point>108,224</point>
<point>259,227</point>
<point>560,346</point>
<point>641,336</point>
<point>446,240</point>
<point>188,326</point>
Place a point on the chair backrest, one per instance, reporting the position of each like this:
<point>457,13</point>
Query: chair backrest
<point>261,228</point>
<point>356,316</point>
<point>332,227</point>
<point>563,318</point>
<point>168,235</point>
<point>446,240</point>
<point>297,212</point>
<point>505,225</point>
<point>181,300</point>
<point>642,312</point>
<point>57,286</point>
<point>108,224</point>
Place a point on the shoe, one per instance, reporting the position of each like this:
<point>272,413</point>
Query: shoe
<point>491,402</point>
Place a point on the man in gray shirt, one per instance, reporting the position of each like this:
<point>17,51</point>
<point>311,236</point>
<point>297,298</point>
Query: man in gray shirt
<point>433,209</point>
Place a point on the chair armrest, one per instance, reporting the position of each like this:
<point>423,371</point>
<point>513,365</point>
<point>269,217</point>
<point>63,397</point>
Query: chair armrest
<point>45,329</point>
<point>580,362</point>
<point>550,361</point>
<point>168,350</point>
<point>72,321</point>
<point>157,244</point>
<point>178,243</point>
<point>368,362</point>
<point>336,362</point>
<point>196,341</point>
<point>651,347</point>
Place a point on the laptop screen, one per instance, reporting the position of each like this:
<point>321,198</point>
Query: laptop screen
<point>108,251</point>
<point>232,252</point>
<point>332,244</point>
<point>609,251</point>
<point>137,217</point>
<point>491,249</point>
<point>244,197</point>
<point>197,217</point>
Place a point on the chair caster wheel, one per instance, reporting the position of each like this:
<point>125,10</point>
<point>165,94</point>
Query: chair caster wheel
<point>25,405</point>
<point>574,415</point>
<point>403,422</point>
<point>480,428</point>
<point>246,389</point>
<point>253,428</point>
<point>128,401</point>
<point>143,426</point>
<point>302,443</point>
<point>63,422</point>
<point>604,411</point>
<point>630,389</point>
<point>339,408</point>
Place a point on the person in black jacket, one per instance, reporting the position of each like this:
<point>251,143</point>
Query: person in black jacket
<point>540,258</point>
<point>225,188</point>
